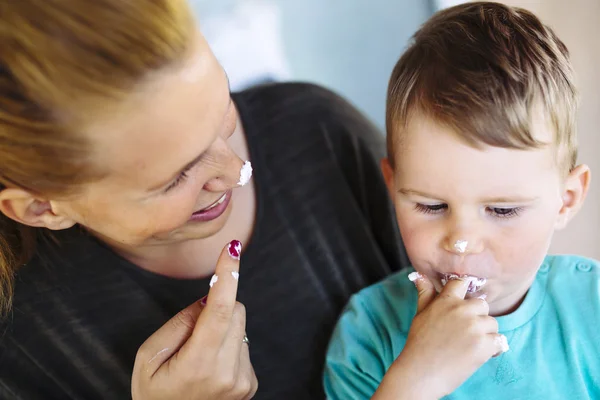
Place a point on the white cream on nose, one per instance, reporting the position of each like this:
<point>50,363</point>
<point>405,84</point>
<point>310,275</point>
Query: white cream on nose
<point>245,173</point>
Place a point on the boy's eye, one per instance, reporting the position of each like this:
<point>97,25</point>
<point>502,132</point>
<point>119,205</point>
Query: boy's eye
<point>431,208</point>
<point>501,212</point>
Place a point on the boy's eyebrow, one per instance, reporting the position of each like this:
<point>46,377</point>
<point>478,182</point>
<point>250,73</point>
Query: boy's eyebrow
<point>505,199</point>
<point>516,199</point>
<point>411,192</point>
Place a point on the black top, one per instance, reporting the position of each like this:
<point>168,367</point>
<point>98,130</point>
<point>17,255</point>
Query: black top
<point>325,229</point>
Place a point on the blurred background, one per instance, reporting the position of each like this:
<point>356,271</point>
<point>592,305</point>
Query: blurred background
<point>351,46</point>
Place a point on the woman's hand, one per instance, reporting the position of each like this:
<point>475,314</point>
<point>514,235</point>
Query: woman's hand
<point>200,353</point>
<point>449,339</point>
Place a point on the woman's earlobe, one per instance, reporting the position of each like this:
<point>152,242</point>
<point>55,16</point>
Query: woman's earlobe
<point>27,209</point>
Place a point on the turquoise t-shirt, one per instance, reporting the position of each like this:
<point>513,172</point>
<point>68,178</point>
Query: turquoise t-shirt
<point>554,339</point>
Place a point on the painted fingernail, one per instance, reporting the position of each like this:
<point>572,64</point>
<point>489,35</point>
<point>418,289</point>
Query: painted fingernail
<point>203,300</point>
<point>236,275</point>
<point>213,280</point>
<point>235,249</point>
<point>502,342</point>
<point>414,276</point>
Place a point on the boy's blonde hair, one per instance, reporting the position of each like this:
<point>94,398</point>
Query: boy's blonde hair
<point>481,69</point>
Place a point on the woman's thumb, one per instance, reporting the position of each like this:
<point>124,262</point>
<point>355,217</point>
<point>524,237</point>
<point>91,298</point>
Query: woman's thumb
<point>425,289</point>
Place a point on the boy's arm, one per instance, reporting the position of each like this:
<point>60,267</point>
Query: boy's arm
<point>359,352</point>
<point>371,333</point>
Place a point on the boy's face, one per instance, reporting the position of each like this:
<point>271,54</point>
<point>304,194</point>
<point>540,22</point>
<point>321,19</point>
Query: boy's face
<point>489,213</point>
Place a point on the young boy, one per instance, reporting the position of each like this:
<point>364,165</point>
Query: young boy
<point>482,169</point>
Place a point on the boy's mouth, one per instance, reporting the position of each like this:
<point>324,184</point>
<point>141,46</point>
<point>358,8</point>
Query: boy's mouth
<point>475,283</point>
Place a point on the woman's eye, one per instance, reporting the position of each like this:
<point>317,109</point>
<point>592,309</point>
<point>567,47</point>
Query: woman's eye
<point>431,208</point>
<point>182,177</point>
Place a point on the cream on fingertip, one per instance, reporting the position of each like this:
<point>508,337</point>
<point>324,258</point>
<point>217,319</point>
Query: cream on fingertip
<point>414,276</point>
<point>502,342</point>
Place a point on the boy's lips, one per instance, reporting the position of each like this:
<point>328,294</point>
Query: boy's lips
<point>475,283</point>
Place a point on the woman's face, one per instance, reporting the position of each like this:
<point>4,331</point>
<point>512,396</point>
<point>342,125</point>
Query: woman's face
<point>170,166</point>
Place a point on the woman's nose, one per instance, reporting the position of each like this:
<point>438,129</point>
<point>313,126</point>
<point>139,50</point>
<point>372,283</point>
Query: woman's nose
<point>232,171</point>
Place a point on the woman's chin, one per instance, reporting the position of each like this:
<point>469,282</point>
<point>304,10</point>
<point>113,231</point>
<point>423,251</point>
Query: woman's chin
<point>195,230</point>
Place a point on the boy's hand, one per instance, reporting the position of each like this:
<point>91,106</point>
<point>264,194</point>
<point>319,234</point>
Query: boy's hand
<point>449,339</point>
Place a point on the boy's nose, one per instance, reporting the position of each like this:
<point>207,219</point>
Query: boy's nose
<point>463,243</point>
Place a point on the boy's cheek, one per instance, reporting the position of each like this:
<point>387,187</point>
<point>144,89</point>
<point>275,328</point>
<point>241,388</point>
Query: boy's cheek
<point>418,241</point>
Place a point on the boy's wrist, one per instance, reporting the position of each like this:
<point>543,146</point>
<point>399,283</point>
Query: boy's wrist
<point>408,378</point>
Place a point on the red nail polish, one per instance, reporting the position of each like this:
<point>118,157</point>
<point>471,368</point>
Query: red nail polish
<point>235,249</point>
<point>203,300</point>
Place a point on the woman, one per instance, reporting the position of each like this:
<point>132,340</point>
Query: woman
<point>120,157</point>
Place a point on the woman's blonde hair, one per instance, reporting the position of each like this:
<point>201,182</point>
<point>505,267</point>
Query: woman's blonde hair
<point>63,63</point>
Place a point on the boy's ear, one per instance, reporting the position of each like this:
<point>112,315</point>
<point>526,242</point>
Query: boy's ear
<point>388,175</point>
<point>575,191</point>
<point>27,209</point>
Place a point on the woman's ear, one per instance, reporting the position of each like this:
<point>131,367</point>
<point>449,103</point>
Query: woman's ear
<point>574,193</point>
<point>388,175</point>
<point>27,209</point>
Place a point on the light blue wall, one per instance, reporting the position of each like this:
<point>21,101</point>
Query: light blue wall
<point>349,46</point>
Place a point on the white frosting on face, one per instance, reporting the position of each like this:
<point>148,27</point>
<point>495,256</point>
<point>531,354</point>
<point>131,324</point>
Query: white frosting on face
<point>461,246</point>
<point>245,173</point>
<point>213,280</point>
<point>235,274</point>
<point>475,283</point>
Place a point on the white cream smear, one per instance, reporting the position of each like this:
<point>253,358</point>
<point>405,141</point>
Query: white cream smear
<point>475,283</point>
<point>413,276</point>
<point>245,173</point>
<point>213,280</point>
<point>461,246</point>
<point>503,343</point>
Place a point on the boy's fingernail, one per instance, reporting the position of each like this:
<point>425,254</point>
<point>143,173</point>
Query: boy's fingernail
<point>203,300</point>
<point>414,276</point>
<point>234,249</point>
<point>213,280</point>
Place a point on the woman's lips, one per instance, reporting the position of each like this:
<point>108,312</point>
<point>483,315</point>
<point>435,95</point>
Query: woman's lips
<point>214,210</point>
